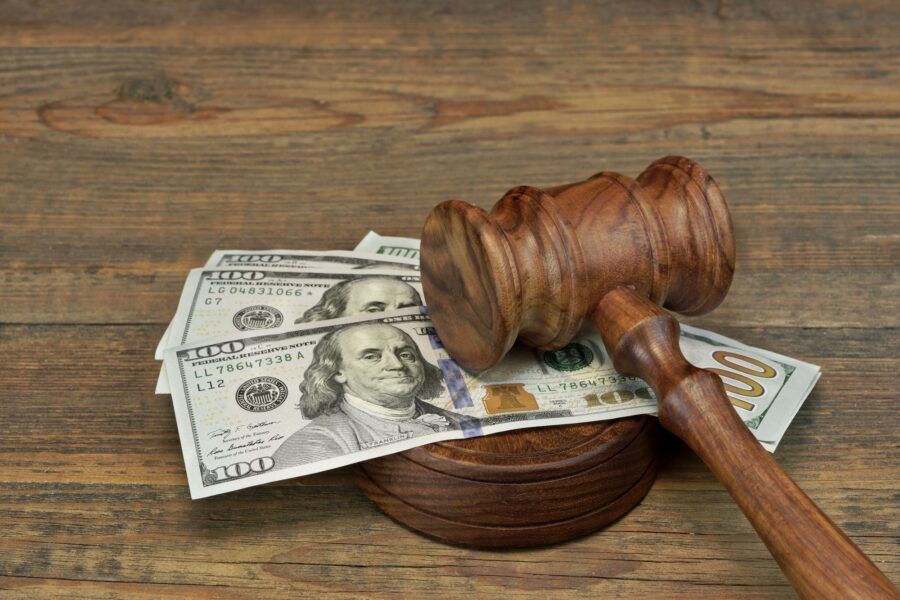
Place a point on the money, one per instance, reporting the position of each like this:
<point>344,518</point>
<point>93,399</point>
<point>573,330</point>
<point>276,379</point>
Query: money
<point>260,406</point>
<point>309,259</point>
<point>275,260</point>
<point>272,377</point>
<point>389,246</point>
<point>217,301</point>
<point>766,389</point>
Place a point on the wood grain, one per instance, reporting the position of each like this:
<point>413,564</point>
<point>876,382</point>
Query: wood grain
<point>533,268</point>
<point>136,137</point>
<point>519,489</point>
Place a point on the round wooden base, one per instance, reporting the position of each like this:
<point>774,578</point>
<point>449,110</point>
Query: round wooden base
<point>524,488</point>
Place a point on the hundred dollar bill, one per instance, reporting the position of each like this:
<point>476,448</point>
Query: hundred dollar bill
<point>766,389</point>
<point>308,259</point>
<point>217,301</point>
<point>259,406</point>
<point>389,246</point>
<point>276,260</point>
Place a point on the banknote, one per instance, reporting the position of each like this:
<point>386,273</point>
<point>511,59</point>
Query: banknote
<point>259,406</point>
<point>766,389</point>
<point>309,259</point>
<point>275,260</point>
<point>389,246</point>
<point>218,301</point>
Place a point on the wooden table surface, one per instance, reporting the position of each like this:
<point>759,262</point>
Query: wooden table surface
<point>136,137</point>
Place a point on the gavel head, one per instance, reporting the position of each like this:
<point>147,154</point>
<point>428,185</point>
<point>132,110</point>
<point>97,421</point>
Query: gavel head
<point>536,265</point>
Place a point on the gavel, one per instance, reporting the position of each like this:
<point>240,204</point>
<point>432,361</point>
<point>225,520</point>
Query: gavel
<point>544,264</point>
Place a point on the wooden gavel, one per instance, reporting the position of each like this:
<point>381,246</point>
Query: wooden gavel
<point>543,263</point>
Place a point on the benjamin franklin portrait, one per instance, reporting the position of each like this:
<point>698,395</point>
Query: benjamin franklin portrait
<point>366,387</point>
<point>365,294</point>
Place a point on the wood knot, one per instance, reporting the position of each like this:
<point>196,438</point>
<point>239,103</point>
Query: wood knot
<point>156,89</point>
<point>150,101</point>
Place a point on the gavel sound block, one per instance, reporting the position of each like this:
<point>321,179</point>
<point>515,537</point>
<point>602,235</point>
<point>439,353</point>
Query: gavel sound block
<point>523,488</point>
<point>538,268</point>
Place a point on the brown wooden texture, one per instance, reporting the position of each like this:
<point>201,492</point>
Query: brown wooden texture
<point>518,489</point>
<point>137,137</point>
<point>818,559</point>
<point>534,267</point>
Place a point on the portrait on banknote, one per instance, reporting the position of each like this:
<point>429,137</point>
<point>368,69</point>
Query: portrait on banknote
<point>368,385</point>
<point>366,294</point>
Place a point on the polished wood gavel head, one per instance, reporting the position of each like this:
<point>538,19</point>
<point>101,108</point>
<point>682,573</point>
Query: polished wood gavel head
<point>536,265</point>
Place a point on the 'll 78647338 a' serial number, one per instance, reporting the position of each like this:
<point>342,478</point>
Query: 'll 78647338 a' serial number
<point>239,365</point>
<point>584,384</point>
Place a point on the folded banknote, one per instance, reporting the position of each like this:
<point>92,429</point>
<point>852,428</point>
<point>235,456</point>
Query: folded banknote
<point>400,247</point>
<point>308,259</point>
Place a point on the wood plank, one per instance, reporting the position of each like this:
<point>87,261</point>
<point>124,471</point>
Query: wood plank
<point>98,250</point>
<point>804,185</point>
<point>94,498</point>
<point>137,173</point>
<point>471,25</point>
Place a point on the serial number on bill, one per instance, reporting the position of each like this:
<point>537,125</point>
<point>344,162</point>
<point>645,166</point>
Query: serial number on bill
<point>255,291</point>
<point>583,384</point>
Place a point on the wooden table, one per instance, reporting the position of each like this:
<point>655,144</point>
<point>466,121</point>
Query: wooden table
<point>136,137</point>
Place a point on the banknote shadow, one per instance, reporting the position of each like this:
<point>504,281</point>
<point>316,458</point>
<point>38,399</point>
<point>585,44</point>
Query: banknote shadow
<point>312,504</point>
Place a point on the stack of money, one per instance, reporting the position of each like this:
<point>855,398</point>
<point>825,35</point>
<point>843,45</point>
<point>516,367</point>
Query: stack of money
<point>283,363</point>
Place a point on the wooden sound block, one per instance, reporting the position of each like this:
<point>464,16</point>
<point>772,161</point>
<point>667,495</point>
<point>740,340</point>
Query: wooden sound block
<point>531,487</point>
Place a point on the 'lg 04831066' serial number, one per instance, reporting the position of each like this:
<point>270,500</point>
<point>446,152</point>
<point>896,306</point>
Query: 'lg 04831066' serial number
<point>256,290</point>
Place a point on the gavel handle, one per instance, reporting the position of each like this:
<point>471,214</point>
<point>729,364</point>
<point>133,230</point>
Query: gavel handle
<point>815,555</point>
